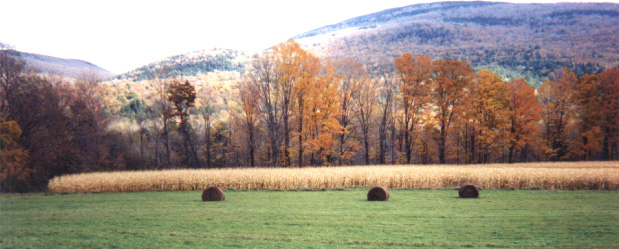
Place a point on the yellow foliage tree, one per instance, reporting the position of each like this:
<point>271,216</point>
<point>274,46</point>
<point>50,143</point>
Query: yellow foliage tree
<point>290,62</point>
<point>323,109</point>
<point>14,157</point>
<point>489,115</point>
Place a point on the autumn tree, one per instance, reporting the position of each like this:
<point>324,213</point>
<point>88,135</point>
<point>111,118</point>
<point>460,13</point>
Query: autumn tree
<point>36,108</point>
<point>41,111</point>
<point>13,156</point>
<point>425,145</point>
<point>387,92</point>
<point>524,117</point>
<point>249,112</point>
<point>351,73</point>
<point>414,75</point>
<point>163,110</point>
<point>291,67</point>
<point>450,85</point>
<point>182,96</point>
<point>609,95</point>
<point>489,115</point>
<point>588,106</point>
<point>365,103</point>
<point>207,114</point>
<point>305,86</point>
<point>261,75</point>
<point>322,125</point>
<point>10,79</point>
<point>557,113</point>
<point>88,122</point>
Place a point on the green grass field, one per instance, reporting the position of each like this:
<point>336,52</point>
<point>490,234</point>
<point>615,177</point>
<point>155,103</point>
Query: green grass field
<point>289,219</point>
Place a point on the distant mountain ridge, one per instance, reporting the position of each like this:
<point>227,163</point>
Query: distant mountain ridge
<point>70,68</point>
<point>528,40</point>
<point>389,15</point>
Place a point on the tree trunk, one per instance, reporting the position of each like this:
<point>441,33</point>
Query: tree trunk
<point>193,159</point>
<point>512,144</point>
<point>441,146</point>
<point>207,138</point>
<point>157,165</point>
<point>274,150</point>
<point>339,163</point>
<point>605,145</point>
<point>142,148</point>
<point>367,147</point>
<point>286,159</point>
<point>166,136</point>
<point>383,134</point>
<point>300,132</point>
<point>208,147</point>
<point>251,148</point>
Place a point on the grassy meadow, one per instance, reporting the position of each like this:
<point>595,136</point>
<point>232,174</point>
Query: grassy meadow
<point>313,219</point>
<point>564,175</point>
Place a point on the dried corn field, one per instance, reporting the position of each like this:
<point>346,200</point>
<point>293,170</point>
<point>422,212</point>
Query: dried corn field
<point>573,175</point>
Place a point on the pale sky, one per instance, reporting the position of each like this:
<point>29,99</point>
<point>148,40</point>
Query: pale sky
<point>121,35</point>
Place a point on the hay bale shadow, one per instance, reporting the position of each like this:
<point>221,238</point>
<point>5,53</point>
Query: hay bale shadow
<point>378,194</point>
<point>468,191</point>
<point>213,193</point>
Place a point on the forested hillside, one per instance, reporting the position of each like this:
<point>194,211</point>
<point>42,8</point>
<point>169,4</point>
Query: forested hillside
<point>190,64</point>
<point>529,40</point>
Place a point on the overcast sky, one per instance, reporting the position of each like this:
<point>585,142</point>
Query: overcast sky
<point>123,35</point>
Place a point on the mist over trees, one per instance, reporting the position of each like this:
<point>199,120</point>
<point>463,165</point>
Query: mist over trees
<point>291,109</point>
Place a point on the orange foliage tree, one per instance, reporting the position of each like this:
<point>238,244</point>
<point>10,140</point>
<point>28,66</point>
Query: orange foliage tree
<point>557,113</point>
<point>609,94</point>
<point>182,96</point>
<point>450,88</point>
<point>587,100</point>
<point>524,117</point>
<point>414,74</point>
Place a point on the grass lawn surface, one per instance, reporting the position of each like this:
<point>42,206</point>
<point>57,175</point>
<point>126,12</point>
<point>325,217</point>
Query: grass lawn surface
<point>290,219</point>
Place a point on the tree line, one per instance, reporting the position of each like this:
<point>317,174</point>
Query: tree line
<point>290,109</point>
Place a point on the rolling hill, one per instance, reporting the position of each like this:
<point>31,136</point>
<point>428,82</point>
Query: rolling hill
<point>190,64</point>
<point>70,68</point>
<point>530,40</point>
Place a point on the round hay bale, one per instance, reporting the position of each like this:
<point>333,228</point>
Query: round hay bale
<point>378,194</point>
<point>468,191</point>
<point>213,193</point>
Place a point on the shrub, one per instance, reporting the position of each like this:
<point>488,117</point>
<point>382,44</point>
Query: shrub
<point>378,194</point>
<point>213,193</point>
<point>468,191</point>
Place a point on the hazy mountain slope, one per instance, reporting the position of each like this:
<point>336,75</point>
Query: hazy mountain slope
<point>70,68</point>
<point>190,64</point>
<point>525,39</point>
